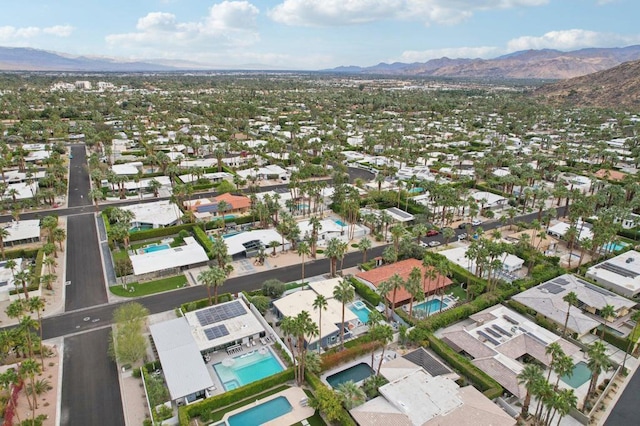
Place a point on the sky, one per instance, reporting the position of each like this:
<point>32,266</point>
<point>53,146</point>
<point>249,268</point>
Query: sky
<point>314,34</point>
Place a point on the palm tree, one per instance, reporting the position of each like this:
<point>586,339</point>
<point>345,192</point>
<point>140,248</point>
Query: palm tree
<point>303,250</point>
<point>343,293</point>
<point>4,233</point>
<point>530,377</point>
<point>351,394</point>
<point>213,277</point>
<point>391,286</point>
<point>572,300</point>
<point>37,304</point>
<point>333,252</point>
<point>635,317</point>
<point>320,303</point>
<point>364,245</point>
<point>598,362</point>
<point>304,327</point>
<point>414,287</point>
<point>555,351</point>
<point>288,328</point>
<point>29,368</point>
<point>38,388</point>
<point>607,312</point>
<point>564,401</point>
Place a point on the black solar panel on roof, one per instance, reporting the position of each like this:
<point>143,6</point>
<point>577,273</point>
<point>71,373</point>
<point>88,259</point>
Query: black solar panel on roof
<point>561,281</point>
<point>511,320</point>
<point>501,330</point>
<point>597,289</point>
<point>216,331</point>
<point>536,338</point>
<point>425,360</point>
<point>219,313</point>
<point>399,212</point>
<point>492,332</point>
<point>489,338</point>
<point>552,288</point>
<point>617,270</point>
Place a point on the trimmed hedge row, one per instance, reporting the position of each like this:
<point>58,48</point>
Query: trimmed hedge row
<point>365,292</point>
<point>617,341</point>
<point>23,253</point>
<point>332,359</point>
<point>203,303</point>
<point>186,413</point>
<point>204,240</point>
<point>315,383</point>
<point>37,270</point>
<point>159,232</point>
<point>482,381</point>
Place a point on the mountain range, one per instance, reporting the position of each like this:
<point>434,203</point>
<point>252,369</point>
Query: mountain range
<point>526,64</point>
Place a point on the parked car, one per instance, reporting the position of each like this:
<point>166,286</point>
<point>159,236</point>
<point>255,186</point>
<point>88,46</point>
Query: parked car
<point>464,225</point>
<point>434,243</point>
<point>432,232</point>
<point>462,236</point>
<point>476,222</point>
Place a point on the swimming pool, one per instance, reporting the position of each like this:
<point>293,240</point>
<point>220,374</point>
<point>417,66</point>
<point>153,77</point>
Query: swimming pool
<point>417,189</point>
<point>613,247</point>
<point>339,222</point>
<point>355,373</point>
<point>157,247</point>
<point>262,413</point>
<point>361,311</point>
<point>247,368</point>
<point>230,234</point>
<point>430,307</point>
<point>140,228</point>
<point>581,375</point>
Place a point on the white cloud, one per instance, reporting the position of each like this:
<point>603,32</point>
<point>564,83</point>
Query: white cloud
<point>571,40</point>
<point>228,24</point>
<point>352,12</point>
<point>9,34</point>
<point>452,53</point>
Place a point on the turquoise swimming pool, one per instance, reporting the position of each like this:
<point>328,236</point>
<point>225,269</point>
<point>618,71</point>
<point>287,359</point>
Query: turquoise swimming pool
<point>339,222</point>
<point>581,375</point>
<point>430,307</point>
<point>361,311</point>
<point>355,374</point>
<point>157,247</point>
<point>247,368</point>
<point>262,413</point>
<point>613,247</point>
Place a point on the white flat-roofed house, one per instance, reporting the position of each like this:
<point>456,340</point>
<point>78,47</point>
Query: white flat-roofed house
<point>127,168</point>
<point>169,260</point>
<point>246,244</point>
<point>21,232</point>
<point>620,274</point>
<point>20,191</point>
<point>489,200</point>
<point>7,280</point>
<point>559,230</point>
<point>158,214</point>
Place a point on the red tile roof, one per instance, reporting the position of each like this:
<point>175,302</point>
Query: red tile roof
<point>238,202</point>
<point>403,268</point>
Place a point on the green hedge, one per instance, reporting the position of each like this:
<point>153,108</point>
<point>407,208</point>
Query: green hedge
<point>186,413</point>
<point>479,378</point>
<point>23,253</point>
<point>365,292</point>
<point>159,232</point>
<point>37,270</point>
<point>331,359</point>
<point>617,341</point>
<point>204,240</point>
<point>315,383</point>
<point>203,303</point>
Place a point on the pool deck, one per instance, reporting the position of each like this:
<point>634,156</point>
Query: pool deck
<point>298,412</point>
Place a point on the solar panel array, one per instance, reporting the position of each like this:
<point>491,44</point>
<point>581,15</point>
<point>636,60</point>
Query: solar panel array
<point>219,313</point>
<point>617,270</point>
<point>427,361</point>
<point>216,331</point>
<point>561,281</point>
<point>597,289</point>
<point>552,288</point>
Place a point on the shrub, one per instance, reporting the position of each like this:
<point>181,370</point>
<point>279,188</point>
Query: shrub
<point>273,288</point>
<point>365,292</point>
<point>202,303</point>
<point>260,302</point>
<point>202,238</point>
<point>331,359</point>
<point>159,232</point>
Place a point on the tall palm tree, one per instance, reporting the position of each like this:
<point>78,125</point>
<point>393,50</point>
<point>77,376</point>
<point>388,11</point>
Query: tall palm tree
<point>213,277</point>
<point>29,368</point>
<point>288,327</point>
<point>555,351</point>
<point>320,303</point>
<point>530,377</point>
<point>564,401</point>
<point>607,312</point>
<point>572,300</point>
<point>4,233</point>
<point>333,251</point>
<point>36,304</point>
<point>635,317</point>
<point>598,362</point>
<point>392,285</point>
<point>304,328</point>
<point>414,287</point>
<point>364,246</point>
<point>344,293</point>
<point>303,250</point>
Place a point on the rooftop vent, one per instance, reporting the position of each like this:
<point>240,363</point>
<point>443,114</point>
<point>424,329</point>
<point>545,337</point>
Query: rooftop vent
<point>629,260</point>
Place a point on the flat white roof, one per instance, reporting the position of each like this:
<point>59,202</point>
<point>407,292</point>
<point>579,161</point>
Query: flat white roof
<point>294,303</point>
<point>22,230</point>
<point>325,287</point>
<point>23,191</point>
<point>621,272</point>
<point>158,213</point>
<point>238,327</point>
<point>160,260</point>
<point>457,256</point>
<point>184,369</point>
<point>265,236</point>
<point>126,168</point>
<point>7,282</point>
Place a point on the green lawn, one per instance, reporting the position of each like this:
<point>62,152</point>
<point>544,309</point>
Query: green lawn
<point>151,287</point>
<point>119,254</point>
<point>458,291</point>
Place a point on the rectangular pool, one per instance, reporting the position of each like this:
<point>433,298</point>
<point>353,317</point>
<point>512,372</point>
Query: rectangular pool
<point>361,311</point>
<point>430,307</point>
<point>355,373</point>
<point>262,413</point>
<point>339,222</point>
<point>581,375</point>
<point>157,247</point>
<point>247,368</point>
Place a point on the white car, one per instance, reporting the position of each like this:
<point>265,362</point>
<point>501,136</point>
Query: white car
<point>434,243</point>
<point>476,222</point>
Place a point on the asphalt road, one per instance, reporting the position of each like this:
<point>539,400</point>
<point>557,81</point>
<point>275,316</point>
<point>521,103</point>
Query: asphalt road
<point>79,183</point>
<point>626,410</point>
<point>90,386</point>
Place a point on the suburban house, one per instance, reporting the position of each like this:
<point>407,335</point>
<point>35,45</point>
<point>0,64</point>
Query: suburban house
<point>206,209</point>
<point>413,396</point>
<point>457,255</point>
<point>248,243</point>
<point>547,300</point>
<point>559,229</point>
<point>21,232</point>
<point>499,341</point>
<point>158,214</point>
<point>165,260</point>
<point>292,304</point>
<point>332,228</point>
<point>185,346</point>
<point>375,277</point>
<point>7,280</point>
<point>620,274</point>
<point>489,200</point>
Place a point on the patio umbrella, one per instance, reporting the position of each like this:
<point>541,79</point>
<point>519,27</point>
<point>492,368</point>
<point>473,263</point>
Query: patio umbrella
<point>228,362</point>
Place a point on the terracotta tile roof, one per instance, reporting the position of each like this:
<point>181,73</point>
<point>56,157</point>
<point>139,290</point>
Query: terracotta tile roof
<point>613,175</point>
<point>236,201</point>
<point>403,268</point>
